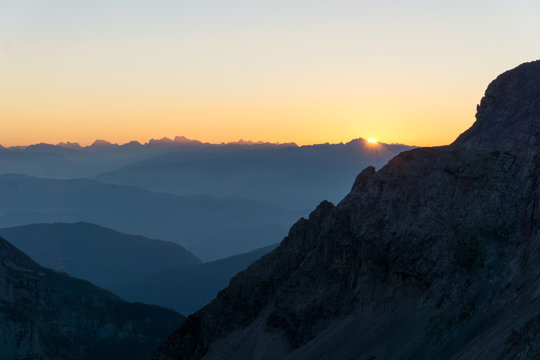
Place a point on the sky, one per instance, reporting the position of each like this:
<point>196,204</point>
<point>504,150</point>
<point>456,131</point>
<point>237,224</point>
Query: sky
<point>219,70</point>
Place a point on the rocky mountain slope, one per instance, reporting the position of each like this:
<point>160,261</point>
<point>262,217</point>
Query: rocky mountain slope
<point>47,315</point>
<point>434,256</point>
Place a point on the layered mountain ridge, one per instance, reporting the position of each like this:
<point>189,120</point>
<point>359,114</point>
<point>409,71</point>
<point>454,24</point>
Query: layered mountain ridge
<point>134,267</point>
<point>103,256</point>
<point>46,314</point>
<point>433,256</point>
<point>181,219</point>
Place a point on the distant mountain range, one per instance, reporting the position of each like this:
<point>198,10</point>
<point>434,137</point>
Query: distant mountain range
<point>69,160</point>
<point>49,315</point>
<point>291,176</point>
<point>176,141</point>
<point>207,226</point>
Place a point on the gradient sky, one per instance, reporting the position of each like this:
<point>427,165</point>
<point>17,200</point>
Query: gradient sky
<point>220,70</point>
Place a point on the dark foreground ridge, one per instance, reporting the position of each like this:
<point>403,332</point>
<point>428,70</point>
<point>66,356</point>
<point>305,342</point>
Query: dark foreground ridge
<point>47,315</point>
<point>435,256</point>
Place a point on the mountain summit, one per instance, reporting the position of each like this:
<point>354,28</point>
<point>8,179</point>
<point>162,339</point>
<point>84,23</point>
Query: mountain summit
<point>507,117</point>
<point>434,256</point>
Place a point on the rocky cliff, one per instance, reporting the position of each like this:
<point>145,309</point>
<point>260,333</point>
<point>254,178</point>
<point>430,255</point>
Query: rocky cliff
<point>434,256</point>
<point>47,315</point>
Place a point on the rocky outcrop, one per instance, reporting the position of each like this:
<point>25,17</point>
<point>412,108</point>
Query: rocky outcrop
<point>507,117</point>
<point>47,315</point>
<point>434,256</point>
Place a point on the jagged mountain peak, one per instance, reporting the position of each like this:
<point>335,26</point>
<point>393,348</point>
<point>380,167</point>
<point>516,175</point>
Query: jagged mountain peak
<point>508,115</point>
<point>69,145</point>
<point>99,143</point>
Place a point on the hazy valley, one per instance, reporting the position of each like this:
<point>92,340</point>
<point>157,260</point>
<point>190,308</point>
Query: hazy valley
<point>167,223</point>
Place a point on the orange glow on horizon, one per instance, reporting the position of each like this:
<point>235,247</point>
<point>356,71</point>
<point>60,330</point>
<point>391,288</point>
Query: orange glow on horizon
<point>267,71</point>
<point>83,118</point>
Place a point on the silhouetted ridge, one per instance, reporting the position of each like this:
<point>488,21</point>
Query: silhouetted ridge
<point>507,117</point>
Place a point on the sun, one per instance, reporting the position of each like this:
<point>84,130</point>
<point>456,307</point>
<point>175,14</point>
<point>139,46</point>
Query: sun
<point>372,141</point>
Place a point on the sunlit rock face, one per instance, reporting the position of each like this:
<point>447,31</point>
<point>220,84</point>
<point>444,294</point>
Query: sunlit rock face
<point>47,315</point>
<point>435,256</point>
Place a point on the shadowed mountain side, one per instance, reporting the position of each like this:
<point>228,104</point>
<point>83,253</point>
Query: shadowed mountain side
<point>105,257</point>
<point>434,256</point>
<point>292,177</point>
<point>48,315</point>
<point>188,288</point>
<point>184,220</point>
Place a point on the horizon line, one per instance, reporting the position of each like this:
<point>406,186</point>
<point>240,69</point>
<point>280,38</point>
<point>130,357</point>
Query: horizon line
<point>182,140</point>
